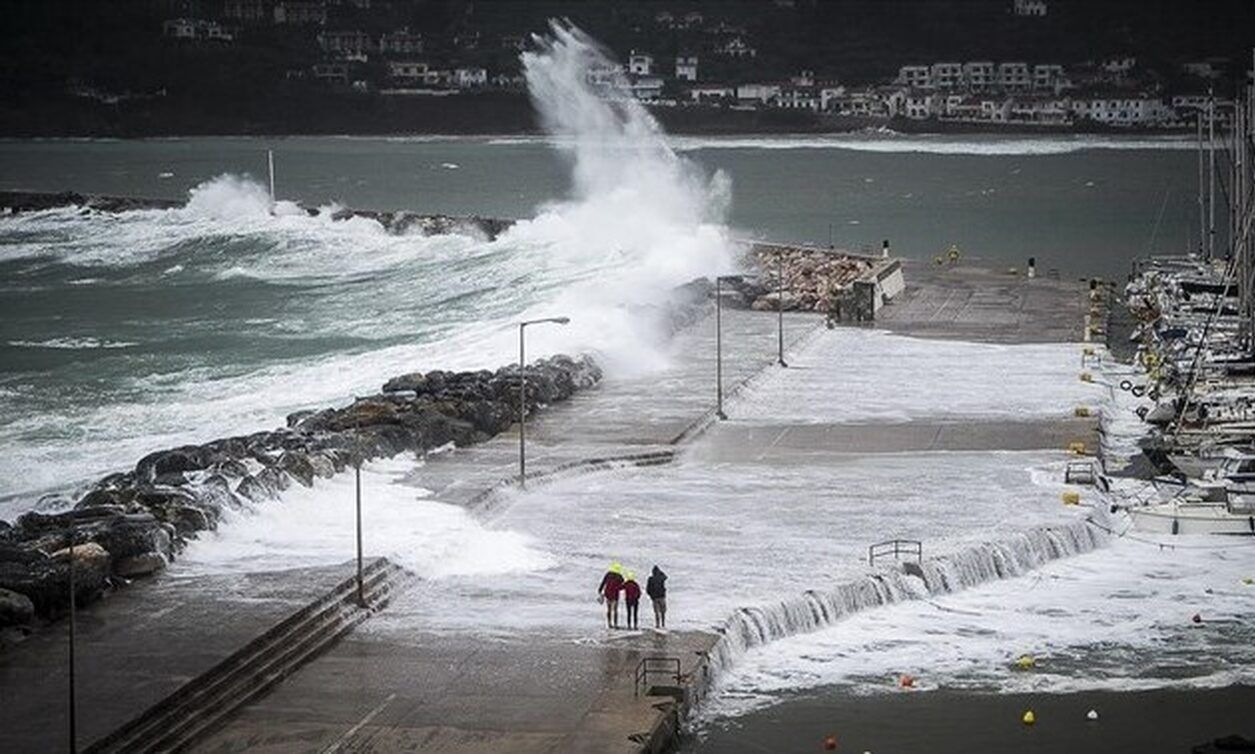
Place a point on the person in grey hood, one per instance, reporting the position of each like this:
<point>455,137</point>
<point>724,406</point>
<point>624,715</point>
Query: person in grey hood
<point>656,588</point>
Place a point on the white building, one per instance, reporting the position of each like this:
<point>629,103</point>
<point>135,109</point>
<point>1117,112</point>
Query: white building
<point>401,42</point>
<point>647,88</point>
<point>1124,110</point>
<point>980,75</point>
<point>1048,77</point>
<point>407,71</point>
<point>829,96</point>
<point>946,75</point>
<point>711,94</point>
<point>470,78</point>
<point>640,64</point>
<point>686,68</point>
<point>918,76</point>
<point>1014,76</point>
<point>919,106</point>
<point>798,98</point>
<point>1029,8</point>
<point>736,47</point>
<point>763,94</point>
<point>346,42</point>
<point>300,13</point>
<point>190,28</point>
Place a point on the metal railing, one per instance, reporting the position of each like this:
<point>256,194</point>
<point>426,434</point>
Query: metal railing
<point>669,666</point>
<point>896,548</point>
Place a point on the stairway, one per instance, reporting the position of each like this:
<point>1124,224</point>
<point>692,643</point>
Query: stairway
<point>199,705</point>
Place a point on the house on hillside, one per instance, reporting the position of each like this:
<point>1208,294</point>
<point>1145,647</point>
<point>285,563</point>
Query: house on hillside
<point>736,47</point>
<point>300,13</point>
<point>711,94</point>
<point>640,64</point>
<point>345,43</point>
<point>1029,8</point>
<point>401,42</point>
<point>248,11</point>
<point>686,67</point>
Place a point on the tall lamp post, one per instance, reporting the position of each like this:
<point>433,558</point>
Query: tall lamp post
<point>523,391</point>
<point>780,307</point>
<point>719,346</point>
<point>361,592</point>
<point>73,691</point>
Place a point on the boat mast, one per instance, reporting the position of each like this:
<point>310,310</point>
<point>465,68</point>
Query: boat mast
<point>1211,174</point>
<point>1202,182</point>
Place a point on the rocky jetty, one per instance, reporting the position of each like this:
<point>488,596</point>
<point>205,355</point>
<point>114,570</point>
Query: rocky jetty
<point>131,524</point>
<point>814,279</point>
<point>393,221</point>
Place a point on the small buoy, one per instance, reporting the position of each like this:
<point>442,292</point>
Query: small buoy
<point>830,743</point>
<point>1197,618</point>
<point>1071,497</point>
<point>1025,662</point>
<point>907,681</point>
<point>1029,718</point>
<point>1091,715</point>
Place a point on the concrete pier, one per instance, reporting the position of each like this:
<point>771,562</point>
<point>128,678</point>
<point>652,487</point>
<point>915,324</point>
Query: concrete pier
<point>391,687</point>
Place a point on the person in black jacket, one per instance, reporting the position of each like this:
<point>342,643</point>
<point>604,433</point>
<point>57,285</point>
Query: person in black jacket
<point>656,588</point>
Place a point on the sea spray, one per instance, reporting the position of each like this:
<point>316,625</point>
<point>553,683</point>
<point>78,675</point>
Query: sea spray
<point>640,220</point>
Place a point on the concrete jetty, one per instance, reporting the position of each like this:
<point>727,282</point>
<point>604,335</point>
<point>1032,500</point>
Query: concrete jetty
<point>388,687</point>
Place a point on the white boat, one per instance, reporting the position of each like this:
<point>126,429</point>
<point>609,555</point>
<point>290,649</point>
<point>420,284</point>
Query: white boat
<point>1196,517</point>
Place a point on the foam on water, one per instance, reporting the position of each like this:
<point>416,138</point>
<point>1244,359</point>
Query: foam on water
<point>1116,619</point>
<point>316,527</point>
<point>850,375</point>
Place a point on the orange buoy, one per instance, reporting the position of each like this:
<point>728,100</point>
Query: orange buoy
<point>1029,718</point>
<point>907,681</point>
<point>830,743</point>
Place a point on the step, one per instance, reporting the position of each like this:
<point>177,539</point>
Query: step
<point>201,703</point>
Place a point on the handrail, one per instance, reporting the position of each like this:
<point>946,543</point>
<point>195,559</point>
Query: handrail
<point>895,547</point>
<point>668,665</point>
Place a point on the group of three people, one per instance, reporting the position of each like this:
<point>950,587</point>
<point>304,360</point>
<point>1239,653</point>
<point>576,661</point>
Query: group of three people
<point>616,583</point>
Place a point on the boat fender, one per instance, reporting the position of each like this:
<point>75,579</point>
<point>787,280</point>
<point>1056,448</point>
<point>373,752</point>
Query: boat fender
<point>1138,390</point>
<point>1028,718</point>
<point>1142,411</point>
<point>1153,394</point>
<point>1091,715</point>
<point>1176,526</point>
<point>1126,385</point>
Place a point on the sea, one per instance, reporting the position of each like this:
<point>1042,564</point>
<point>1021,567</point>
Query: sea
<point>125,333</point>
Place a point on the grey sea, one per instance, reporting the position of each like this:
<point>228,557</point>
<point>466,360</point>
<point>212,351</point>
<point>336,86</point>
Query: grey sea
<point>120,334</point>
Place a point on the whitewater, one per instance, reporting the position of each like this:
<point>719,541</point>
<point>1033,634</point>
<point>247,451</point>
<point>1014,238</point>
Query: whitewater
<point>125,333</point>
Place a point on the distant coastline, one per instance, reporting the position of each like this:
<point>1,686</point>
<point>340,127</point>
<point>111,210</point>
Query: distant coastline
<point>487,114</point>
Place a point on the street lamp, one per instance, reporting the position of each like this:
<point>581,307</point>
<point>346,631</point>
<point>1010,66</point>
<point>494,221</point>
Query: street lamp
<point>719,345</point>
<point>73,702</point>
<point>523,392</point>
<point>361,592</point>
<point>780,307</point>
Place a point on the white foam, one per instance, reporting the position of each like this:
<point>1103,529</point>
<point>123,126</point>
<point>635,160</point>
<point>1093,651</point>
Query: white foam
<point>317,527</point>
<point>849,375</point>
<point>1117,619</point>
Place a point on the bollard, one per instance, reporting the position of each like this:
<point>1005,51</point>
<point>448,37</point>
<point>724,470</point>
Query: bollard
<point>1032,268</point>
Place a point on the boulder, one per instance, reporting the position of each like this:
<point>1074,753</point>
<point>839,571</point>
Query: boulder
<point>298,466</point>
<point>136,535</point>
<point>251,488</point>
<point>413,382</point>
<point>15,609</point>
<point>186,458</point>
<point>139,565</point>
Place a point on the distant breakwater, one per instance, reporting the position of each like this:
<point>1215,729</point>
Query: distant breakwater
<point>394,221</point>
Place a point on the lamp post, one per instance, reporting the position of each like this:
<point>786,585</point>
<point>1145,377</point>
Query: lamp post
<point>523,391</point>
<point>73,691</point>
<point>780,307</point>
<point>361,593</point>
<point>719,346</point>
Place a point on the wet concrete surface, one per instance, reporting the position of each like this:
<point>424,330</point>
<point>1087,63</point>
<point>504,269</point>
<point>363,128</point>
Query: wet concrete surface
<point>966,301</point>
<point>378,691</point>
<point>138,646</point>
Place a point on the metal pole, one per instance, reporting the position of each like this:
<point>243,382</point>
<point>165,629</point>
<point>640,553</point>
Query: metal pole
<point>361,594</point>
<point>1202,181</point>
<point>522,410</point>
<point>1211,174</point>
<point>780,308</point>
<point>270,164</point>
<point>73,618</point>
<point>719,348</point>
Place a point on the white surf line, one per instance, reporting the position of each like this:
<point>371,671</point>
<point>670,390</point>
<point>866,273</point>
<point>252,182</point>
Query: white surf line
<point>360,724</point>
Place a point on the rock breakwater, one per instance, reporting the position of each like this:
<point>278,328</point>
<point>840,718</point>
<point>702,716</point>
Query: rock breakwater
<point>815,280</point>
<point>131,524</point>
